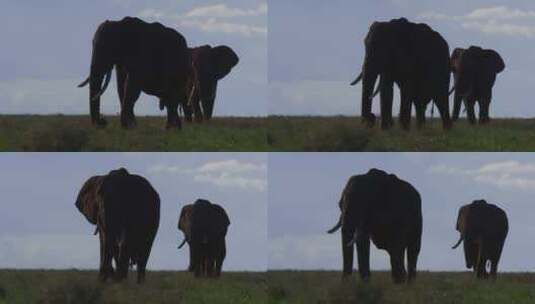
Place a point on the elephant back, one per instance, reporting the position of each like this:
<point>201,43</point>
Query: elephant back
<point>209,221</point>
<point>487,221</point>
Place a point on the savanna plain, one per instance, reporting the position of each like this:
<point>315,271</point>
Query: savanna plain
<point>349,134</point>
<point>429,288</point>
<point>72,286</point>
<point>53,133</point>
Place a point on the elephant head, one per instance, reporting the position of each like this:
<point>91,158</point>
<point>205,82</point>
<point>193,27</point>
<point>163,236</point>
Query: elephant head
<point>467,63</point>
<point>184,223</point>
<point>211,64</point>
<point>382,47</point>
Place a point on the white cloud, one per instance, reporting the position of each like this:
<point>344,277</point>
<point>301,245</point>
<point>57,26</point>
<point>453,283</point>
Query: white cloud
<point>223,11</point>
<point>224,174</point>
<point>209,19</point>
<point>492,20</point>
<point>506,174</point>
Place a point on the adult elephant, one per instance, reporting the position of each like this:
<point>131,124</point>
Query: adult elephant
<point>126,211</point>
<point>413,56</point>
<point>210,64</point>
<point>387,210</point>
<point>474,71</point>
<point>149,58</point>
<point>483,228</point>
<point>205,227</point>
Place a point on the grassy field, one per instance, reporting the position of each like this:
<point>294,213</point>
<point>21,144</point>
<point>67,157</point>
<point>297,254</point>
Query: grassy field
<point>308,287</point>
<point>75,133</point>
<point>77,287</point>
<point>349,134</point>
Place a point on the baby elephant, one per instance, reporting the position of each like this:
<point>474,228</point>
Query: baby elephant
<point>205,227</point>
<point>483,228</point>
<point>474,70</point>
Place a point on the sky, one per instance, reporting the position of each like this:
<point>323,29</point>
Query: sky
<point>316,49</point>
<point>40,227</point>
<point>46,51</point>
<point>304,192</point>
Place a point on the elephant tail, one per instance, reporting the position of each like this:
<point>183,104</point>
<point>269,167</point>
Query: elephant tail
<point>182,244</point>
<point>354,82</point>
<point>451,91</point>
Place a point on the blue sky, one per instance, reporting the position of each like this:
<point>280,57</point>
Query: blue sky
<point>46,51</point>
<point>316,48</point>
<point>41,228</point>
<point>304,192</point>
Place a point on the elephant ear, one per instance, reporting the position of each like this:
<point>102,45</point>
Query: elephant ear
<point>493,60</point>
<point>89,200</point>
<point>455,59</point>
<point>184,221</point>
<point>223,59</point>
<point>462,219</point>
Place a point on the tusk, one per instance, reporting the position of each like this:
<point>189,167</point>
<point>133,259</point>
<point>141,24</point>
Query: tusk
<point>182,244</point>
<point>83,84</point>
<point>353,240</point>
<point>451,91</point>
<point>357,79</point>
<point>106,82</point>
<point>458,243</point>
<point>336,227</point>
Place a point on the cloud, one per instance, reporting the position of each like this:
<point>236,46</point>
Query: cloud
<point>506,174</point>
<point>492,20</point>
<point>223,11</point>
<point>224,174</point>
<point>209,19</point>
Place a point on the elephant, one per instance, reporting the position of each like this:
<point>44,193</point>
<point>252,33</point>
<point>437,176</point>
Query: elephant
<point>474,71</point>
<point>483,228</point>
<point>210,64</point>
<point>149,58</point>
<point>413,56</point>
<point>205,227</point>
<point>126,211</point>
<point>381,207</point>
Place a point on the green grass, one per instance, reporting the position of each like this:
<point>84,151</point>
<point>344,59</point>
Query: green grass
<point>342,133</point>
<point>323,287</point>
<point>75,133</point>
<point>66,287</point>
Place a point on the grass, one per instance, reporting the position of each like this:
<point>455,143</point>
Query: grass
<point>66,287</point>
<point>75,133</point>
<point>342,133</point>
<point>322,287</point>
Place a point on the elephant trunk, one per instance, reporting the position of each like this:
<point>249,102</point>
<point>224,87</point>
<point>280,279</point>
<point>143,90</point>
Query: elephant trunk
<point>182,244</point>
<point>369,78</point>
<point>458,242</point>
<point>451,91</point>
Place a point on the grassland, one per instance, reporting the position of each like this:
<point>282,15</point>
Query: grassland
<point>429,288</point>
<point>66,287</point>
<point>342,133</point>
<point>75,133</point>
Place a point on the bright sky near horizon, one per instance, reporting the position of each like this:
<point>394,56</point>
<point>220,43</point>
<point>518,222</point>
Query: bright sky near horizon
<point>46,51</point>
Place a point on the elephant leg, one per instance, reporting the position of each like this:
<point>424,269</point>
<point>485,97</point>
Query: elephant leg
<point>363,256</point>
<point>470,104</point>
<point>197,111</point>
<point>413,250</point>
<point>457,101</point>
<point>347,252</point>
<point>173,121</point>
<point>121,78</point>
<point>196,260</point>
<point>142,264</point>
<point>405,110</point>
<point>420,112</point>
<point>190,267</point>
<point>221,257</point>
<point>484,104</point>
<point>131,94</point>
<point>387,95</point>
<point>106,256</point>
<point>443,107</point>
<point>397,258</point>
<point>123,261</point>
